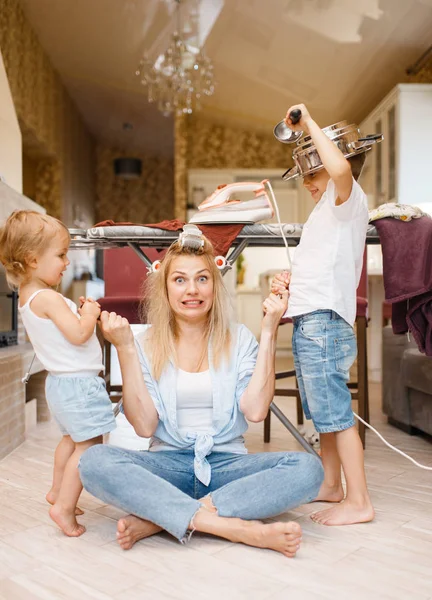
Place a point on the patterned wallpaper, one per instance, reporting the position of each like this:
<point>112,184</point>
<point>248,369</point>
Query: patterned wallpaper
<point>424,75</point>
<point>203,144</point>
<point>149,199</point>
<point>180,166</point>
<point>53,132</point>
<point>214,146</point>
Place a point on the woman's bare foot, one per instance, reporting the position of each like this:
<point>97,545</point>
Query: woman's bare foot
<point>51,498</point>
<point>330,493</point>
<point>282,537</point>
<point>131,529</point>
<point>345,513</point>
<point>66,521</point>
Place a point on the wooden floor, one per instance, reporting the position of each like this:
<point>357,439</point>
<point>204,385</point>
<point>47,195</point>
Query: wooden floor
<point>390,558</point>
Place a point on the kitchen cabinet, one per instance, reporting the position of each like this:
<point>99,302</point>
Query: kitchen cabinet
<point>396,169</point>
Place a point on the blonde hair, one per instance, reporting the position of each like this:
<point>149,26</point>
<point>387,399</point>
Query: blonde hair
<point>156,310</point>
<point>26,234</point>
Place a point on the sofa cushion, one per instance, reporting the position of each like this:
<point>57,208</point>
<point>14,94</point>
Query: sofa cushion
<point>420,410</point>
<point>417,371</point>
<point>394,394</point>
<point>394,340</point>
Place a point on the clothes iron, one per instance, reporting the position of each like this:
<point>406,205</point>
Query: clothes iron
<point>221,207</point>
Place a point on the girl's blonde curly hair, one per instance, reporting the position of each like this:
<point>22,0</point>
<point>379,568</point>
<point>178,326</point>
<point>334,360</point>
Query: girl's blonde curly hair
<point>26,234</point>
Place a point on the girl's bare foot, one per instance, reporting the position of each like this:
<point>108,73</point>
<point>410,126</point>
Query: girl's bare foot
<point>66,521</point>
<point>330,493</point>
<point>345,513</point>
<point>51,498</point>
<point>282,537</point>
<point>131,529</point>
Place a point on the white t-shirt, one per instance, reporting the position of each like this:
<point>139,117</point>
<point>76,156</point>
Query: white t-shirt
<point>55,352</point>
<point>328,262</point>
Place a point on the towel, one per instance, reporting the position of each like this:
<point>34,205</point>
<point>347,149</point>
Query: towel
<point>221,236</point>
<point>407,271</point>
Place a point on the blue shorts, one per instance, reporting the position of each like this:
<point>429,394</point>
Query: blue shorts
<point>324,349</point>
<point>80,406</point>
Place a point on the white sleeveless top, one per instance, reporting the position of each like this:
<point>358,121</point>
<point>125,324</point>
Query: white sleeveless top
<point>55,352</point>
<point>194,403</point>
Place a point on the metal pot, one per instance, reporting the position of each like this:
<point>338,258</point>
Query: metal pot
<point>346,137</point>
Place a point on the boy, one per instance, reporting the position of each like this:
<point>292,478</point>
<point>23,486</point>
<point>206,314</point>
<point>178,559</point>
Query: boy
<point>325,274</point>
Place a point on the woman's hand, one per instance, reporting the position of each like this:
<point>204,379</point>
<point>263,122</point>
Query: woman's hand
<point>116,329</point>
<point>274,308</point>
<point>302,125</point>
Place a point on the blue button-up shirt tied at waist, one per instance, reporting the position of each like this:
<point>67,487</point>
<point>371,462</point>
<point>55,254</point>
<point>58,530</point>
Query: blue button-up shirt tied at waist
<point>203,446</point>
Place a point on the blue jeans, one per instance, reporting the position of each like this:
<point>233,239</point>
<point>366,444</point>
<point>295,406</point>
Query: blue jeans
<point>162,488</point>
<point>324,350</point>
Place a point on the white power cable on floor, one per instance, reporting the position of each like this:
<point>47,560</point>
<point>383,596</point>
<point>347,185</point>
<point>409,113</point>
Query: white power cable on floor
<point>359,418</point>
<point>393,447</point>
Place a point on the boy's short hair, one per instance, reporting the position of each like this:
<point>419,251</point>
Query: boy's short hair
<point>24,235</point>
<point>357,162</point>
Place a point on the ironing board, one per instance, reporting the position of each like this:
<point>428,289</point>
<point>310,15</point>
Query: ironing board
<point>255,235</point>
<point>137,236</point>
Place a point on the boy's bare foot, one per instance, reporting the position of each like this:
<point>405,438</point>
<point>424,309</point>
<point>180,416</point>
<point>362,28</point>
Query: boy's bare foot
<point>66,521</point>
<point>131,529</point>
<point>282,537</point>
<point>51,498</point>
<point>330,493</point>
<point>345,513</point>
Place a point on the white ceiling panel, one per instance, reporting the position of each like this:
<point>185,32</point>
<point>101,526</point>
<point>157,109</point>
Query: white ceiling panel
<point>339,56</point>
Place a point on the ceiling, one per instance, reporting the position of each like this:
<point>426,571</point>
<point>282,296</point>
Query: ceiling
<point>339,57</point>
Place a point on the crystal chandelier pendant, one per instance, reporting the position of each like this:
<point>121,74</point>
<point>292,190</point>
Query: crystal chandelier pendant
<point>179,78</point>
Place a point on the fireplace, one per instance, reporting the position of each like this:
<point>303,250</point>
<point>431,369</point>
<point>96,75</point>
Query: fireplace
<point>8,313</point>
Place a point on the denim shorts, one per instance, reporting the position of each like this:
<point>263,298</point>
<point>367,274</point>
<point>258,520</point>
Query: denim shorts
<point>80,406</point>
<point>324,349</point>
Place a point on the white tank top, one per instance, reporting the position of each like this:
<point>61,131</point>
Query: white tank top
<point>194,395</point>
<point>57,355</point>
<point>194,402</point>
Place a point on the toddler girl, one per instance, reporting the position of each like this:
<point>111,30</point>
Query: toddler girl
<point>33,250</point>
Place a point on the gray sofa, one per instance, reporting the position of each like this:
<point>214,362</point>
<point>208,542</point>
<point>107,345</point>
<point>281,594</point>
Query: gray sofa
<point>407,384</point>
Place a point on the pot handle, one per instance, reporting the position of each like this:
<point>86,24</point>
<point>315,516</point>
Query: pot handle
<point>290,173</point>
<point>373,137</point>
<point>367,141</point>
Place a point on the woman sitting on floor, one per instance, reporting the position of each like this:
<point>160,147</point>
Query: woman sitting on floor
<point>190,383</point>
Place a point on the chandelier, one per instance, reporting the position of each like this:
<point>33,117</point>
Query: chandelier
<point>180,77</point>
